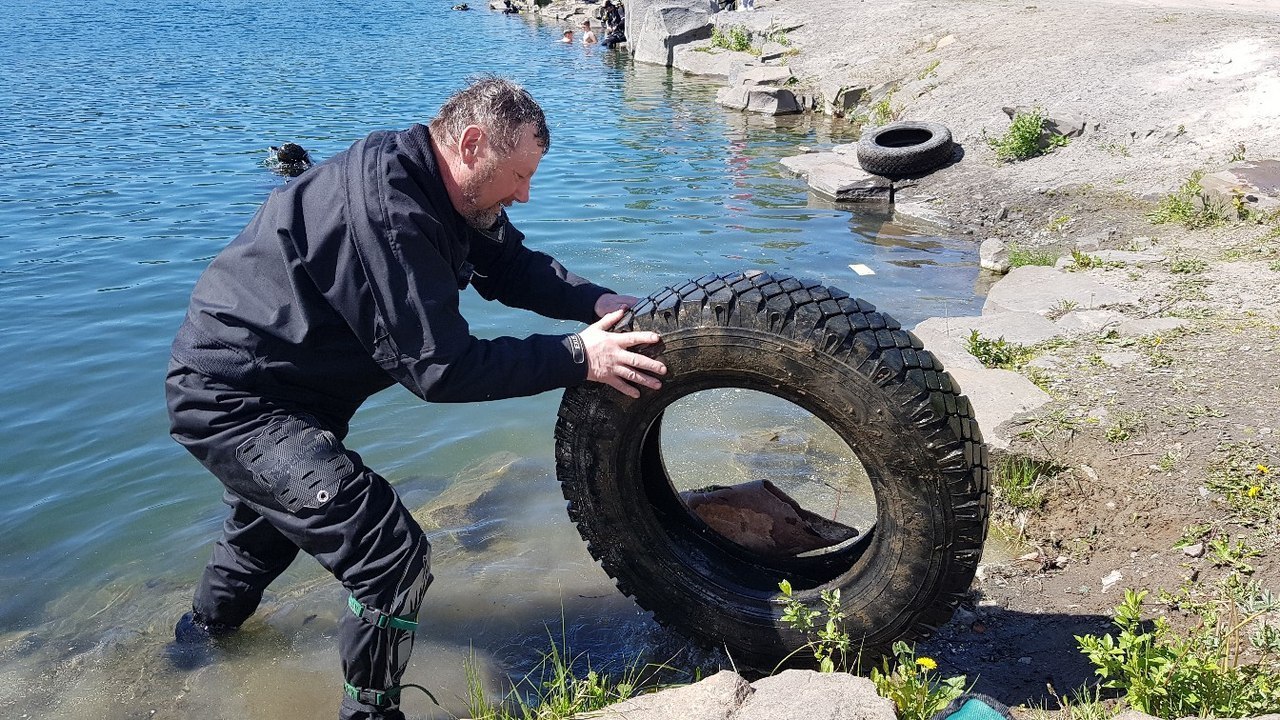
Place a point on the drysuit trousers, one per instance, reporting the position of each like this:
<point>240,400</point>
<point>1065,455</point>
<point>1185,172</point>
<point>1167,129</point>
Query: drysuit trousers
<point>292,486</point>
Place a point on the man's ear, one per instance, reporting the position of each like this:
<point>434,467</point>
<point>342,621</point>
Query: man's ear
<point>473,145</point>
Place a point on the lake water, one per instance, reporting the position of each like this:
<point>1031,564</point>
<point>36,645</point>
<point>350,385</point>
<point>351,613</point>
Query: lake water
<point>132,135</point>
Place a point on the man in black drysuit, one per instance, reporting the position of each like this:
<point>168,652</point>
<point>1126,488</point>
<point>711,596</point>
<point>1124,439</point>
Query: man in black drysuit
<point>346,282</point>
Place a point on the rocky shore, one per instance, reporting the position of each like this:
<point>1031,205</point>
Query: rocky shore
<point>1145,384</point>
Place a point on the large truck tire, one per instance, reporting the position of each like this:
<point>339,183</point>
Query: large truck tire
<point>853,368</point>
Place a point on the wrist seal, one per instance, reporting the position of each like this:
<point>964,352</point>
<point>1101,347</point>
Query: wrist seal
<point>577,348</point>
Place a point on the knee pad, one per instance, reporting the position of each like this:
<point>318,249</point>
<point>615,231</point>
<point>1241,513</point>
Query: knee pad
<point>300,463</point>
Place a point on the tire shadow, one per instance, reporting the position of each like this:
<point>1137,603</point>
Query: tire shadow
<point>1015,657</point>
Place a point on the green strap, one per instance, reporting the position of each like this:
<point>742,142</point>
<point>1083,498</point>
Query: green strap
<point>379,619</point>
<point>382,698</point>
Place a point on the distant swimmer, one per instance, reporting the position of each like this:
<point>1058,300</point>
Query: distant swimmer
<point>290,160</point>
<point>462,6</point>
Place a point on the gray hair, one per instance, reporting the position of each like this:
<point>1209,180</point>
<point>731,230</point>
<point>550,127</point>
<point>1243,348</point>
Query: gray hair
<point>499,106</point>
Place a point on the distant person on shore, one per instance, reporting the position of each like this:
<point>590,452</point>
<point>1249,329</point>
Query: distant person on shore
<point>347,281</point>
<point>567,37</point>
<point>588,37</point>
<point>614,25</point>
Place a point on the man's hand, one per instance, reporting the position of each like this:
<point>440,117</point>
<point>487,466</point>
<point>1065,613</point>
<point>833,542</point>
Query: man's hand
<point>610,362</point>
<point>610,302</point>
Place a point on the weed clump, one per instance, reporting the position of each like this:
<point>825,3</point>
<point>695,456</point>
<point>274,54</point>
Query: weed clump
<point>1189,206</point>
<point>1022,140</point>
<point>736,38</point>
<point>998,353</point>
<point>1211,670</point>
<point>1019,256</point>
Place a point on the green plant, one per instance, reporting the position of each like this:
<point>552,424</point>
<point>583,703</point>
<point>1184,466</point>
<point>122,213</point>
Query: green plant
<point>1084,261</point>
<point>830,643</point>
<point>1116,148</point>
<point>1225,554</point>
<point>1200,673</point>
<point>1189,206</point>
<point>1022,140</point>
<point>736,38</point>
<point>1243,474</point>
<point>1274,266</point>
<point>1124,426</point>
<point>912,685</point>
<point>1236,155</point>
<point>929,69</point>
<point>1083,704</point>
<point>1060,308</point>
<point>1019,256</point>
<point>883,111</point>
<point>1187,265</point>
<point>554,690</point>
<point>1018,478</point>
<point>780,37</point>
<point>1059,222</point>
<point>997,353</point>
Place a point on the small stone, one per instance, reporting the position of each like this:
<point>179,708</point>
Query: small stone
<point>1024,660</point>
<point>1111,505</point>
<point>1194,551</point>
<point>1111,579</point>
<point>1061,562</point>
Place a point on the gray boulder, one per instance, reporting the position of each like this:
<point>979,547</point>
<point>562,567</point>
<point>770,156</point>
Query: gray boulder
<point>759,99</point>
<point>656,27</point>
<point>789,695</point>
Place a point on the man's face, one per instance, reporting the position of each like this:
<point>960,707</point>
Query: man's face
<point>494,182</point>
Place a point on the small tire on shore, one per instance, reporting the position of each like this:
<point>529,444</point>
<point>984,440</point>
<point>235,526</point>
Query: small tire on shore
<point>905,148</point>
<point>851,367</point>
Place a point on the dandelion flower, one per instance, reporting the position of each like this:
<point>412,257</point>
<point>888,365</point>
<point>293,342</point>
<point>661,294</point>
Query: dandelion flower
<point>927,663</point>
<point>1253,491</point>
<point>1263,469</point>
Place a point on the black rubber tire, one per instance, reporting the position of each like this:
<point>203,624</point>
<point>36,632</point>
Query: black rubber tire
<point>905,148</point>
<point>852,367</point>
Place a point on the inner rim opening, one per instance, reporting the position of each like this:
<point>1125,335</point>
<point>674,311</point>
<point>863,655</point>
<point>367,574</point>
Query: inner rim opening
<point>765,475</point>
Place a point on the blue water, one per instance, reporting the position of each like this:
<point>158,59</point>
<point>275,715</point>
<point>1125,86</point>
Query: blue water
<point>132,136</point>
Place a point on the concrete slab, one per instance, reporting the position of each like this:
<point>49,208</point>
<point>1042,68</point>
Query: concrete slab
<point>1023,328</point>
<point>1085,322</point>
<point>998,396</point>
<point>1038,289</point>
<point>1149,326</point>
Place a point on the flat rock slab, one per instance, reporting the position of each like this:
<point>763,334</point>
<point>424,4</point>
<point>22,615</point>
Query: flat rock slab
<point>833,176</point>
<point>1023,328</point>
<point>1080,322</point>
<point>1039,290</point>
<point>997,396</point>
<point>789,695</point>
<point>699,58</point>
<point>1141,327</point>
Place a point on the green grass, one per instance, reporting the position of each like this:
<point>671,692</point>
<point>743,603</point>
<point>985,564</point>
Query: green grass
<point>998,353</point>
<point>1022,140</point>
<point>1019,480</point>
<point>1189,206</point>
<point>1019,256</point>
<point>929,69</point>
<point>736,38</point>
<point>1187,265</point>
<point>1211,669</point>
<point>884,112</point>
<point>563,685</point>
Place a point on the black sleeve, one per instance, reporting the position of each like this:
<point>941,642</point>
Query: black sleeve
<point>509,272</point>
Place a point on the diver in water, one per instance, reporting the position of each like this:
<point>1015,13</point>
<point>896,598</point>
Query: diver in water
<point>290,160</point>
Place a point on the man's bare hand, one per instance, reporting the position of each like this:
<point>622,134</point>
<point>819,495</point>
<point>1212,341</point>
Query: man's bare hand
<point>609,360</point>
<point>606,304</point>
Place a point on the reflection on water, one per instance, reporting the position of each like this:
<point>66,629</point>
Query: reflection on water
<point>131,151</point>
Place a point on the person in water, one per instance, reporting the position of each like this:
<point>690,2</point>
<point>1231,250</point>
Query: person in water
<point>345,282</point>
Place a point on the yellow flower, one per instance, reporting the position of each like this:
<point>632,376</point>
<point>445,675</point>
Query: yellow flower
<point>1263,469</point>
<point>927,663</point>
<point>1253,491</point>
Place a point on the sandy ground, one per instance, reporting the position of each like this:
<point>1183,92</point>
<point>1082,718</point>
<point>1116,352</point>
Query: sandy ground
<point>1148,439</point>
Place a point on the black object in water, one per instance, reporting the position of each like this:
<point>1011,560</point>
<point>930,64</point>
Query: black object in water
<point>290,160</point>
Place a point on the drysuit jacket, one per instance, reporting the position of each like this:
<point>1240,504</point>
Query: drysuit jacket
<point>347,281</point>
